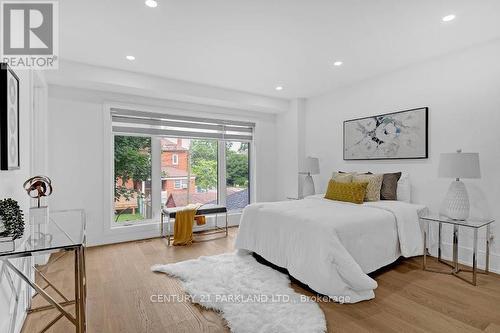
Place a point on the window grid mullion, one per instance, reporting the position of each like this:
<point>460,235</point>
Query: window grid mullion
<point>221,171</point>
<point>156,182</point>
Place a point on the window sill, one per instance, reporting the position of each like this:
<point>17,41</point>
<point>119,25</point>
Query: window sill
<point>141,223</point>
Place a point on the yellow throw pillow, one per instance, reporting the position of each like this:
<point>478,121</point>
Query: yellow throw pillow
<point>348,192</point>
<point>341,177</point>
<point>374,185</point>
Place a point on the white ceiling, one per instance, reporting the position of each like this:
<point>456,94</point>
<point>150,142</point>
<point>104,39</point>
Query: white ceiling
<point>255,45</point>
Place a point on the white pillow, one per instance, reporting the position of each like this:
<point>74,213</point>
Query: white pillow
<point>404,188</point>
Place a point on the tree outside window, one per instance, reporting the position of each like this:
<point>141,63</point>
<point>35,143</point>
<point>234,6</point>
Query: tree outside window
<point>132,178</point>
<point>237,175</point>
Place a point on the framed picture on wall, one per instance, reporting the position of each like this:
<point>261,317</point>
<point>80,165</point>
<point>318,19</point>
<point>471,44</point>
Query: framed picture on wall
<point>9,119</point>
<point>397,135</point>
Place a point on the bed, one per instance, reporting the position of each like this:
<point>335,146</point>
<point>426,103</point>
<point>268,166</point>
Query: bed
<point>329,245</point>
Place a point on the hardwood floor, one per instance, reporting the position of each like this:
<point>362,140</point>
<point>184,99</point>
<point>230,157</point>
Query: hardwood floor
<point>120,285</point>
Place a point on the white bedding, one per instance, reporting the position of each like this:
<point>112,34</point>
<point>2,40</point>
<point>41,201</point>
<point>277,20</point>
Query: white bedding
<point>331,245</point>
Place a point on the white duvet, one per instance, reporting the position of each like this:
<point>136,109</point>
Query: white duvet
<point>323,242</point>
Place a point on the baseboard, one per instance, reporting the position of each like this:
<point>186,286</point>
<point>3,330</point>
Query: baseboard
<point>465,256</point>
<point>151,231</point>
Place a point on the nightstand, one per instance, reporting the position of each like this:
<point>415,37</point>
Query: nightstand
<point>473,223</point>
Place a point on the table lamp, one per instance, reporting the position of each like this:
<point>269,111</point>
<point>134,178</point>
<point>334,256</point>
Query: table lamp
<point>310,167</point>
<point>458,165</point>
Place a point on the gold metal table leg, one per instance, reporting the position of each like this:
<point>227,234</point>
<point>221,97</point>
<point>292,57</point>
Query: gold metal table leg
<point>77,290</point>
<point>52,322</point>
<point>42,292</point>
<point>49,284</point>
<point>80,289</point>
<point>83,291</point>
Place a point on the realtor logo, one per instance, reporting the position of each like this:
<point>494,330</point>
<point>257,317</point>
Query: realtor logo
<point>29,34</point>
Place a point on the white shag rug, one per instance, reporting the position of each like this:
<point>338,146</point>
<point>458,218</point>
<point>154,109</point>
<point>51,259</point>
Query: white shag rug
<point>250,296</point>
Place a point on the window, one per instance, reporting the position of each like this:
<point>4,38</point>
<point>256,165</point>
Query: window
<point>237,175</point>
<point>198,163</point>
<point>204,161</point>
<point>132,178</point>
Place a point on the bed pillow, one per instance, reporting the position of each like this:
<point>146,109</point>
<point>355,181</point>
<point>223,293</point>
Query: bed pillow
<point>389,190</point>
<point>347,192</point>
<point>374,185</point>
<point>342,177</point>
<point>404,188</point>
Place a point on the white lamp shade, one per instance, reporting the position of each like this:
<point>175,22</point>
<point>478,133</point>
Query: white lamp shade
<point>311,166</point>
<point>459,165</point>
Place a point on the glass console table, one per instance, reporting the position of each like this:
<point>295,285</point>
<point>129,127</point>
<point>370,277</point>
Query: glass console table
<point>65,232</point>
<point>473,223</point>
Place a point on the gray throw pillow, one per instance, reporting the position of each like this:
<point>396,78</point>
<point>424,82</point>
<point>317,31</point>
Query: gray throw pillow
<point>389,187</point>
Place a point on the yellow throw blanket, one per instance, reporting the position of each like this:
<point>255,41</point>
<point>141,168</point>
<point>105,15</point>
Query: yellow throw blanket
<point>183,227</point>
<point>200,219</point>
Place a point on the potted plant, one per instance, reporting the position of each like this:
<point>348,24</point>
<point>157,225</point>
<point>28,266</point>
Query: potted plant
<point>11,216</point>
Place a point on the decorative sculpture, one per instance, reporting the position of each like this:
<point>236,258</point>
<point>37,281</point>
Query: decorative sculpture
<point>38,187</point>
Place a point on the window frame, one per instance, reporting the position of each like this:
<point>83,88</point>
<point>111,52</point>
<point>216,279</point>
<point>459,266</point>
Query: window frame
<point>155,172</point>
<point>175,159</point>
<point>115,232</point>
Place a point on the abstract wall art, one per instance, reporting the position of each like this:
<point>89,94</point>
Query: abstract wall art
<point>398,135</point>
<point>9,118</point>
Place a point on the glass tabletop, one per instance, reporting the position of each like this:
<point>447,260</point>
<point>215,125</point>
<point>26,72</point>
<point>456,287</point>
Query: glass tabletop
<point>470,222</point>
<point>65,229</point>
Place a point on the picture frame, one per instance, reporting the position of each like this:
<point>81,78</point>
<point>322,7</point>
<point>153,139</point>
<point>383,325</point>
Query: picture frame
<point>9,119</point>
<point>390,136</point>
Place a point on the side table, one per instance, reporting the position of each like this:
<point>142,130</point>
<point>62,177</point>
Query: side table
<point>473,223</point>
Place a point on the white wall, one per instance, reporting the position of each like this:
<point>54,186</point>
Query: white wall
<point>11,186</point>
<point>290,148</point>
<point>462,92</point>
<point>78,75</point>
<point>76,153</point>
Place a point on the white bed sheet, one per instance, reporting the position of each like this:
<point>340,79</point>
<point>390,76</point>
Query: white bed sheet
<point>378,233</point>
<point>331,245</point>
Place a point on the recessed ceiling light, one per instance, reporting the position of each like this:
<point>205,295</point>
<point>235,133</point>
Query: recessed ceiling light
<point>151,3</point>
<point>279,88</point>
<point>130,57</point>
<point>448,18</point>
<point>337,63</point>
